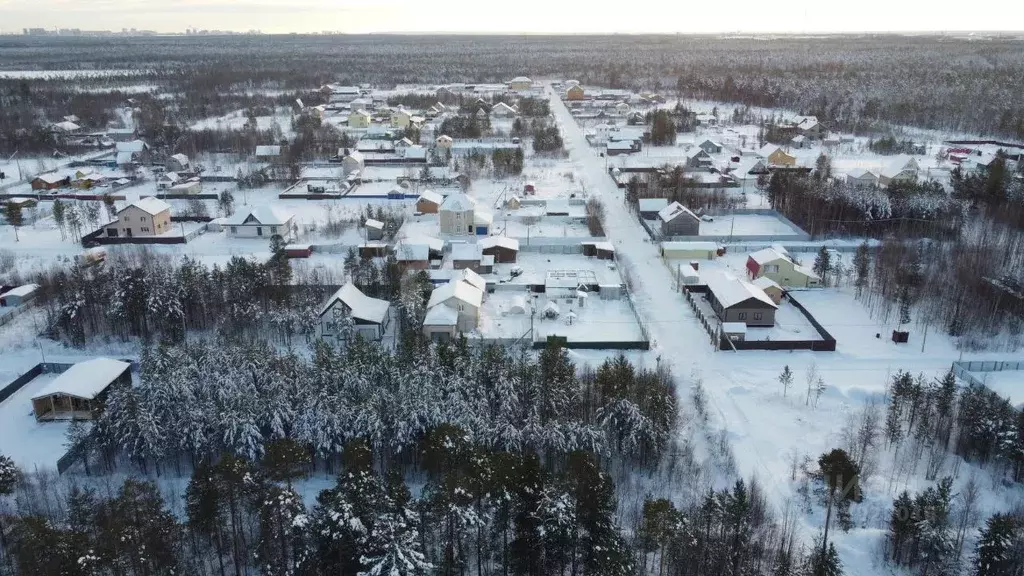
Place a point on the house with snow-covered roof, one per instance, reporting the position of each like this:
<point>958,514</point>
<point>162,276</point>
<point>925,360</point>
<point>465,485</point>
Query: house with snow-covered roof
<point>520,83</point>
<point>349,312</point>
<point>359,118</point>
<point>775,156</point>
<point>352,161</point>
<point>780,268</point>
<point>678,220</point>
<point>268,152</point>
<point>861,178</point>
<point>902,169</point>
<point>261,222</point>
<point>429,202</point>
<point>80,392</point>
<point>454,307</point>
<point>145,217</point>
<point>456,215</point>
<point>736,300</point>
<point>178,163</point>
<point>502,110</point>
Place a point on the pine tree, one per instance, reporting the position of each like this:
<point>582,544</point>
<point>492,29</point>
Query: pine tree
<point>14,217</point>
<point>825,562</point>
<point>995,554</point>
<point>861,265</point>
<point>823,264</point>
<point>59,214</point>
<point>786,379</point>
<point>842,481</point>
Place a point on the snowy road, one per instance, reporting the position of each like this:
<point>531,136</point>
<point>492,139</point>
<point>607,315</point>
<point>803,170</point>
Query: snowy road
<point>766,429</point>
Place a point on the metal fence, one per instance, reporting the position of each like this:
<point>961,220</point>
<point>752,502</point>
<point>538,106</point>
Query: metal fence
<point>963,370</point>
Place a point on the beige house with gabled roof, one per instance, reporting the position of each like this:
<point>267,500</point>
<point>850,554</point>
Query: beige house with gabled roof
<point>145,217</point>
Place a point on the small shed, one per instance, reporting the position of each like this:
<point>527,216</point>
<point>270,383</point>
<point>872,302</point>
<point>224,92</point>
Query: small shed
<point>79,392</point>
<point>649,207</point>
<point>429,202</point>
<point>374,229</point>
<point>504,250</point>
<point>373,250</point>
<point>19,296</point>
<point>298,250</point>
<point>735,331</point>
<point>701,250</point>
<point>530,188</point>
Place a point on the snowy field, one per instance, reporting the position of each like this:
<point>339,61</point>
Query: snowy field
<point>746,225</point>
<point>1006,383</point>
<point>30,443</point>
<point>281,120</point>
<point>596,321</point>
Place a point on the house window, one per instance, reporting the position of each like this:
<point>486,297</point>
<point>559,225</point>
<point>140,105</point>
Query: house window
<point>234,230</point>
<point>469,228</point>
<point>757,315</point>
<point>259,231</point>
<point>742,316</point>
<point>771,268</point>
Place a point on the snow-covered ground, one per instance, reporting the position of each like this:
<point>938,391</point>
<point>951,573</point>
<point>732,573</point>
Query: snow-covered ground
<point>767,430</point>
<point>745,225</point>
<point>1006,383</point>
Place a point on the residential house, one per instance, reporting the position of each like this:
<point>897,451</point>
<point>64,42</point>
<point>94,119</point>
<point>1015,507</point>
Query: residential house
<point>444,141</point>
<point>50,181</point>
<point>696,250</point>
<point>469,255</point>
<point>746,171</point>
<point>353,161</point>
<point>575,93</point>
<point>166,180</point>
<point>191,186</point>
<point>504,250</point>
<point>809,128</point>
<point>268,153</point>
<point>374,229</point>
<point>677,220</point>
<point>178,163</point>
<point>446,94</point>
<point>620,147</point>
<point>361,104</point>
<point>65,128</point>
<point>454,307</point>
<point>412,256</point>
<point>697,159</point>
<point>456,215</point>
<point>736,300</point>
<point>401,118</point>
<point>520,83</point>
<point>622,108</point>
<point>903,169</point>
<point>359,119</point>
<point>145,217</point>
<point>711,147</point>
<point>649,207</point>
<point>261,222</point>
<point>429,202</point>
<point>79,393</point>
<point>775,156</point>
<point>18,296</point>
<point>337,94</point>
<point>136,151</point>
<point>415,153</point>
<point>770,288</point>
<point>706,119</point>
<point>402,145</point>
<point>349,312</point>
<point>861,178</point>
<point>502,110</point>
<point>780,267</point>
<point>800,141</point>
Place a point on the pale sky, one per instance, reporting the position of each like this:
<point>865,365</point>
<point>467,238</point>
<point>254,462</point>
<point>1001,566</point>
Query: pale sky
<point>516,16</point>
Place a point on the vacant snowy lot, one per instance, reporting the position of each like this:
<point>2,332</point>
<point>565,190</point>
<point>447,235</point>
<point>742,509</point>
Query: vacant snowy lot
<point>30,443</point>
